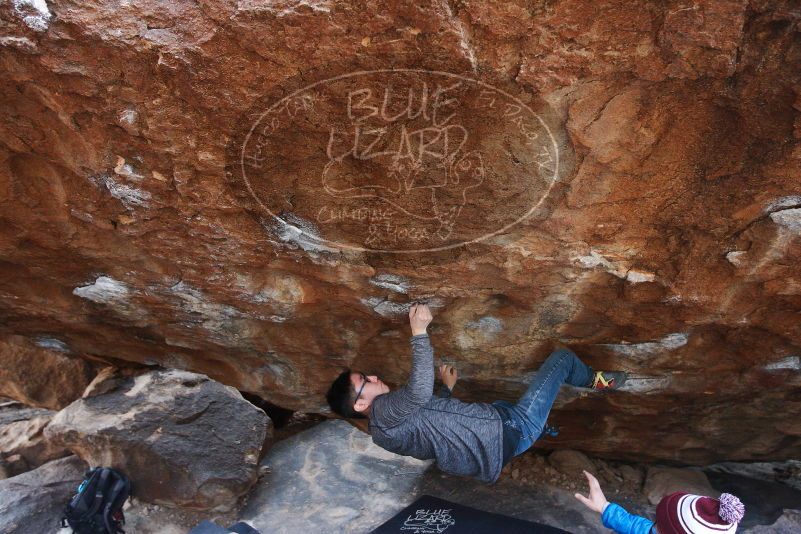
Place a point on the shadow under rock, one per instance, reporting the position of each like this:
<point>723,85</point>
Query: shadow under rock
<point>764,501</point>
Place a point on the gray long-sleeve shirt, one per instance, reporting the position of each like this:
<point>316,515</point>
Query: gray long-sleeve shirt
<point>464,438</point>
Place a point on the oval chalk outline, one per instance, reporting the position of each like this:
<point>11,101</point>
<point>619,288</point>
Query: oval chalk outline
<point>336,244</point>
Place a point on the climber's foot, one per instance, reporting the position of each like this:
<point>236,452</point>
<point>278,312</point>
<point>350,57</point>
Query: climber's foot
<point>608,379</point>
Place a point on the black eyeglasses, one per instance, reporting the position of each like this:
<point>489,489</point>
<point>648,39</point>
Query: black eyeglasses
<point>364,383</point>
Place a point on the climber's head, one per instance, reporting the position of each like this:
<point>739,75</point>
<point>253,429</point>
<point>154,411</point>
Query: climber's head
<point>352,393</point>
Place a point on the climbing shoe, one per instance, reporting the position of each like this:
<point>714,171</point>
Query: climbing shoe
<point>608,379</point>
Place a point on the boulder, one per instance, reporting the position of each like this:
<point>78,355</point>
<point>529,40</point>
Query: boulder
<point>572,463</point>
<point>222,188</point>
<point>23,445</point>
<point>14,464</point>
<point>632,476</point>
<point>661,481</point>
<point>40,376</point>
<point>33,501</point>
<point>788,523</point>
<point>107,379</point>
<point>183,439</point>
<point>331,478</point>
<point>765,498</point>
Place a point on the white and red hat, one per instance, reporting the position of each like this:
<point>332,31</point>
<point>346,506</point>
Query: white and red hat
<point>683,513</point>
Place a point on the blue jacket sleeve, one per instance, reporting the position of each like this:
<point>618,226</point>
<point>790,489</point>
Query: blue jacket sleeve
<point>622,522</point>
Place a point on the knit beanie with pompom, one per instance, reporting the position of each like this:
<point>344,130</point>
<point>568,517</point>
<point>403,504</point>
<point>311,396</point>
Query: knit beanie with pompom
<point>683,513</point>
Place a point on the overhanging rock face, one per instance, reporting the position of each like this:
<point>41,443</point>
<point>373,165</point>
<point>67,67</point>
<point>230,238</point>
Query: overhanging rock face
<point>254,191</point>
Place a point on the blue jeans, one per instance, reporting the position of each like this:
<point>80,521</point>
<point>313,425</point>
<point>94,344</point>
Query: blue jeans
<point>530,413</point>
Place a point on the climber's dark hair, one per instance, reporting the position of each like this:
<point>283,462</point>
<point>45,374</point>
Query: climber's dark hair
<point>341,396</point>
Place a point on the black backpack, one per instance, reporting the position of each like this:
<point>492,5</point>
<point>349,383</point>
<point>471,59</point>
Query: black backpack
<point>97,507</point>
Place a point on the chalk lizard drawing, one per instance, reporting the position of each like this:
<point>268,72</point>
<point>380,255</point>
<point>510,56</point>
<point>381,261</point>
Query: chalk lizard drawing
<point>435,195</point>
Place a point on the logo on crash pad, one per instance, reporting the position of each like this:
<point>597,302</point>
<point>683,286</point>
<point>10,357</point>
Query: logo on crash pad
<point>399,160</point>
<point>426,521</point>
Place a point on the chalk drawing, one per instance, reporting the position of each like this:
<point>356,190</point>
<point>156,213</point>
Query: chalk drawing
<point>399,160</point>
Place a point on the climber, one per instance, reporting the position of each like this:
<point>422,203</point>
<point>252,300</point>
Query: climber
<point>469,439</point>
<point>677,513</point>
